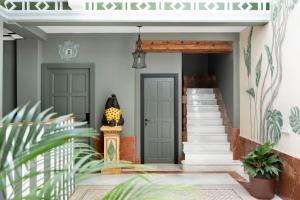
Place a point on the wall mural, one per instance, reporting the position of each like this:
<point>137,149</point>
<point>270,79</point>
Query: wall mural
<point>265,120</point>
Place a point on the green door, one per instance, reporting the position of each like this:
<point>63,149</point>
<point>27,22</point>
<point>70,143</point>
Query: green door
<point>67,90</point>
<point>159,120</point>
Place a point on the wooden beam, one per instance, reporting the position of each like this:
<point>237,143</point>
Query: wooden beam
<point>187,46</point>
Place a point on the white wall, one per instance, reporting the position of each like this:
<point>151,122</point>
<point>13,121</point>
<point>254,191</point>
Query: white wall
<point>288,95</point>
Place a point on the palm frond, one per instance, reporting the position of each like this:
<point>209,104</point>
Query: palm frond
<point>143,188</point>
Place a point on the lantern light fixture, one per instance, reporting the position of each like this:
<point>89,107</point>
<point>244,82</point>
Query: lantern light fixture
<point>139,55</point>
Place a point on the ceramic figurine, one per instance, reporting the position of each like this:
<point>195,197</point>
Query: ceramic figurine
<point>112,114</point>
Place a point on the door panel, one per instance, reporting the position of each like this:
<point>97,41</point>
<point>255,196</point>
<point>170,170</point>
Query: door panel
<point>68,91</point>
<point>159,120</point>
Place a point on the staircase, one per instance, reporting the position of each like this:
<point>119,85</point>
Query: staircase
<point>207,147</point>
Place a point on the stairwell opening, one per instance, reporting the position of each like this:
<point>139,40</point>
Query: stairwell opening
<point>207,112</point>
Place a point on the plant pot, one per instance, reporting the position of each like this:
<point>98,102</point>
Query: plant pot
<point>262,188</point>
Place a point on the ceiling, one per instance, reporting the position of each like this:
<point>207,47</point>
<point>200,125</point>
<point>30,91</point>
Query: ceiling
<point>10,35</point>
<point>146,29</point>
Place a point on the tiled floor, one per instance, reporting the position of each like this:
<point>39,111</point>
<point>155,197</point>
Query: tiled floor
<point>156,167</point>
<point>212,186</point>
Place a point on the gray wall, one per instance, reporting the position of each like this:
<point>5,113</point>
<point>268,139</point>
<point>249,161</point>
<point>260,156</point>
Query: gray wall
<point>9,77</point>
<point>29,55</point>
<point>111,54</point>
<point>1,68</point>
<point>194,64</point>
<point>158,63</point>
<point>222,66</point>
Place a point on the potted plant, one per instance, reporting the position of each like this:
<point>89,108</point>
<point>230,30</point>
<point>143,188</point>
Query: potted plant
<point>263,166</point>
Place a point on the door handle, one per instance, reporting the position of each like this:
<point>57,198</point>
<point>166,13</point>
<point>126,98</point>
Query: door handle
<point>147,120</point>
<point>87,117</point>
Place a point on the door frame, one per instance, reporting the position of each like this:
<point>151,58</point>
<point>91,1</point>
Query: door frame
<point>142,92</point>
<point>89,66</point>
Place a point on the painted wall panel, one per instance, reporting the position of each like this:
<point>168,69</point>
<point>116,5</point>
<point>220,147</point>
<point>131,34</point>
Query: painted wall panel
<point>29,56</point>
<point>194,64</point>
<point>222,66</point>
<point>270,111</point>
<point>1,68</point>
<point>9,77</point>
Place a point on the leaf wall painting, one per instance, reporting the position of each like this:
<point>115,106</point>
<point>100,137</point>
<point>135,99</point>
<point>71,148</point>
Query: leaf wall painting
<point>263,89</point>
<point>258,70</point>
<point>274,124</point>
<point>251,92</point>
<point>270,58</point>
<point>294,119</point>
<point>247,53</point>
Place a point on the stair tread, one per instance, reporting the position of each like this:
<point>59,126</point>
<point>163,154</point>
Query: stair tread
<point>208,143</point>
<point>208,134</point>
<point>211,153</point>
<point>217,162</point>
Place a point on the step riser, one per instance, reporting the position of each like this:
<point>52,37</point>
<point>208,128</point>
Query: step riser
<point>199,123</point>
<point>212,115</point>
<point>203,109</point>
<point>201,148</point>
<point>201,97</point>
<point>212,168</point>
<point>199,91</point>
<point>206,129</point>
<point>207,138</point>
<point>202,102</point>
<point>205,159</point>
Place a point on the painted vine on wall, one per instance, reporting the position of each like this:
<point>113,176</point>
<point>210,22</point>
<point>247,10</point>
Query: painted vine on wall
<point>266,122</point>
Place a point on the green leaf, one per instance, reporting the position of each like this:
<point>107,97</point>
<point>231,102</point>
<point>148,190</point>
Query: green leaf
<point>247,53</point>
<point>142,187</point>
<point>274,124</point>
<point>294,119</point>
<point>270,59</point>
<point>251,92</point>
<point>258,70</point>
<point>262,161</point>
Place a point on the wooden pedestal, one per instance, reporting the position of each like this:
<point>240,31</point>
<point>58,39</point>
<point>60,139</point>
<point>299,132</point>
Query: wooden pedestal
<point>111,147</point>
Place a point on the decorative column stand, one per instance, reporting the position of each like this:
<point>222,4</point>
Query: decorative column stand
<point>111,147</point>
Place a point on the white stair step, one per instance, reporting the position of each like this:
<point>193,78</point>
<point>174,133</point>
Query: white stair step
<point>200,122</point>
<point>202,108</point>
<point>201,97</point>
<point>207,138</point>
<point>189,147</point>
<point>199,91</point>
<point>202,102</point>
<point>231,166</point>
<point>204,115</point>
<point>206,129</point>
<point>208,158</point>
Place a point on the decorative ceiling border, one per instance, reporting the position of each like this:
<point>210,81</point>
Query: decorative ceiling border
<point>139,5</point>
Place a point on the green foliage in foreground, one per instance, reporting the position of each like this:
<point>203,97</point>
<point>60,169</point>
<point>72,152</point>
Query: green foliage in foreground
<point>19,148</point>
<point>262,162</point>
<point>145,188</point>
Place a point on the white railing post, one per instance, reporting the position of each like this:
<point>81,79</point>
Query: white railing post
<point>56,159</point>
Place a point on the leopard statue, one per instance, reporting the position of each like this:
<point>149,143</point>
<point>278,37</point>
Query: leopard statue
<point>112,115</point>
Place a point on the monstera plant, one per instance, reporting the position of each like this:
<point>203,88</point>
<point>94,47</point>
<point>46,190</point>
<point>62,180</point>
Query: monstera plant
<point>263,166</point>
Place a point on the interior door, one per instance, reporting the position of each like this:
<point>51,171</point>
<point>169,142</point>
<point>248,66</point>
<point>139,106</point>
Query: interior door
<point>67,90</point>
<point>159,120</point>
